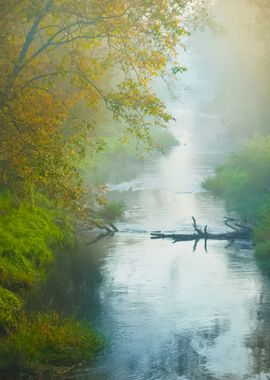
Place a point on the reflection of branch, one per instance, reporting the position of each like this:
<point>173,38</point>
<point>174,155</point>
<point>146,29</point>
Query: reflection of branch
<point>229,244</point>
<point>205,245</point>
<point>195,245</point>
<point>100,237</point>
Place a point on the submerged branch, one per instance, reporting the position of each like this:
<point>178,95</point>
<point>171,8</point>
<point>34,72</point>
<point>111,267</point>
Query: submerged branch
<point>240,232</point>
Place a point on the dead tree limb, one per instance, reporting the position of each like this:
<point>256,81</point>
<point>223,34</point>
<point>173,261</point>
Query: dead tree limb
<point>239,233</point>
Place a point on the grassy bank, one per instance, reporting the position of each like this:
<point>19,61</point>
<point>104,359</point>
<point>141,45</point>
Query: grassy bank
<point>48,342</point>
<point>243,181</point>
<point>31,233</point>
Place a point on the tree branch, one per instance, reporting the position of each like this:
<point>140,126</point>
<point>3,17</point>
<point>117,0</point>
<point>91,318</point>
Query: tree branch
<point>29,39</point>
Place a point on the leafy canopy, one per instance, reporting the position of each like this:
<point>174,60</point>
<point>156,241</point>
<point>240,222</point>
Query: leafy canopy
<point>59,54</point>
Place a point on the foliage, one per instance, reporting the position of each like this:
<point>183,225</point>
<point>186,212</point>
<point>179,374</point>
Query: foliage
<point>111,211</point>
<point>10,307</point>
<point>119,162</point>
<point>28,234</point>
<point>57,56</point>
<point>49,340</point>
<point>262,236</point>
<point>244,182</point>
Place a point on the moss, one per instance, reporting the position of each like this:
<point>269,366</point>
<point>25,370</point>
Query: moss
<point>10,306</point>
<point>49,340</point>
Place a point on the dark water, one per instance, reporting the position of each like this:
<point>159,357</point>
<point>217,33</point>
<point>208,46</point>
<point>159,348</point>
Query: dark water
<point>170,313</point>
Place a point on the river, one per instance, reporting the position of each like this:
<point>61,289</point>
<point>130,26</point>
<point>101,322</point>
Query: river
<point>170,312</point>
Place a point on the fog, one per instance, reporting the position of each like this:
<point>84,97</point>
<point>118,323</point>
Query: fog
<point>91,208</point>
<point>228,63</point>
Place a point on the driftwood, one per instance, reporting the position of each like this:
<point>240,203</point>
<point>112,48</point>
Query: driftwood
<point>240,232</point>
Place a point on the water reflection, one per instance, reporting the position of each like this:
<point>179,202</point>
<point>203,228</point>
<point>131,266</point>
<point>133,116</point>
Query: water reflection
<point>169,312</point>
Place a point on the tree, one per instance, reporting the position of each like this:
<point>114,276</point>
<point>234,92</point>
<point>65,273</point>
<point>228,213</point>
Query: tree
<point>58,54</point>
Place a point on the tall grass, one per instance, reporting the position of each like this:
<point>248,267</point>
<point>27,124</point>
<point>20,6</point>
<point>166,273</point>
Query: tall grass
<point>48,340</point>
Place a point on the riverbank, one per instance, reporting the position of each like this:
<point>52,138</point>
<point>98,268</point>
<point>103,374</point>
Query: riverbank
<point>243,182</point>
<point>168,311</point>
<point>35,235</point>
<point>31,236</point>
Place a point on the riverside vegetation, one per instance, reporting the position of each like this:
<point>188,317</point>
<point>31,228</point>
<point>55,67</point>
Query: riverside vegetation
<point>75,81</point>
<point>243,180</point>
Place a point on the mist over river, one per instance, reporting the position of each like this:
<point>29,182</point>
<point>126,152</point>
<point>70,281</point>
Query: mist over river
<point>125,125</point>
<point>171,313</point>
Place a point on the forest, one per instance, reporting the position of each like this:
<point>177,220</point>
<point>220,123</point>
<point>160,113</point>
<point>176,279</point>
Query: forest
<point>119,118</point>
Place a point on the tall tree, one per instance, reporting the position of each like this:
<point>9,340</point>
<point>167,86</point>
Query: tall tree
<point>56,54</point>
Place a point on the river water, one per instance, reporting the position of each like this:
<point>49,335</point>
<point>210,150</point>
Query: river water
<point>171,313</point>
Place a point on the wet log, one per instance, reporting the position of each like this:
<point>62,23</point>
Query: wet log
<point>240,232</point>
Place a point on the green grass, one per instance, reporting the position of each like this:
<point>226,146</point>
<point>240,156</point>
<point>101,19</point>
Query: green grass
<point>10,306</point>
<point>30,235</point>
<point>49,341</point>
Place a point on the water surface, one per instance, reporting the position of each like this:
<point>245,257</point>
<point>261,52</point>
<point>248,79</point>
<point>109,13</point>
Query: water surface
<point>171,313</point>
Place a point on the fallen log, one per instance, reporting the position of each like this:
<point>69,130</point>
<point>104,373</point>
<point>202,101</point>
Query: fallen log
<point>240,232</point>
